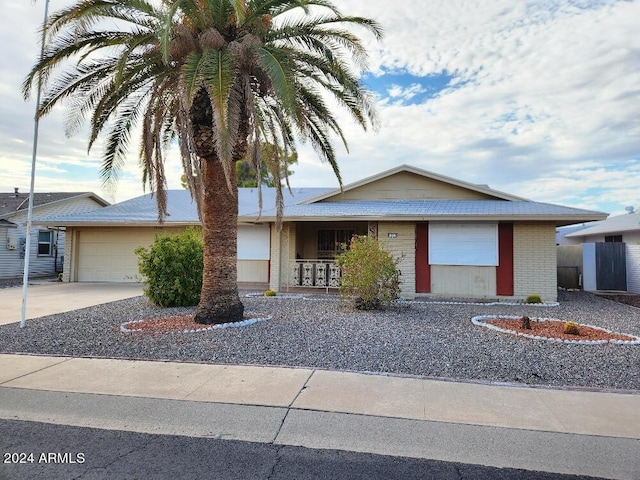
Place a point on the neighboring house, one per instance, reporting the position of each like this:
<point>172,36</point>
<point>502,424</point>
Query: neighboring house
<point>562,232</point>
<point>621,228</point>
<point>608,267</point>
<point>452,238</point>
<point>47,243</point>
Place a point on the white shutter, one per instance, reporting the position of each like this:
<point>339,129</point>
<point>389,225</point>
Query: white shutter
<point>253,242</point>
<point>463,244</point>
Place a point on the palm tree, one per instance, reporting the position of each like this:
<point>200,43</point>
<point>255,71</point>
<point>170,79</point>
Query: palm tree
<point>217,77</point>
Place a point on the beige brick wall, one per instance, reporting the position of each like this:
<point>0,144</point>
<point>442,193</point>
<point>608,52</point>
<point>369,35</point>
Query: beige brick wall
<point>274,266</point>
<point>69,244</point>
<point>283,247</point>
<point>534,260</point>
<point>404,248</point>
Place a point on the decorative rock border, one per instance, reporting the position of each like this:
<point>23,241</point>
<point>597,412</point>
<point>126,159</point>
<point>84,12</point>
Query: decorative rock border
<point>219,326</point>
<point>403,301</point>
<point>485,304</point>
<point>479,320</point>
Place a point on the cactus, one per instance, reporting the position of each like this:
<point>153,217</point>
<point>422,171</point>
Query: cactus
<point>533,298</point>
<point>571,328</point>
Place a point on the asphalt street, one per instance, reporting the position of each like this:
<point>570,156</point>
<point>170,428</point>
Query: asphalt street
<point>33,451</point>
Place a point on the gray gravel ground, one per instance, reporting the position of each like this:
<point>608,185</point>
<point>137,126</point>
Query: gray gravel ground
<point>423,339</point>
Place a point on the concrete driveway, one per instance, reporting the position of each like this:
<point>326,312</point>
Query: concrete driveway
<point>56,297</point>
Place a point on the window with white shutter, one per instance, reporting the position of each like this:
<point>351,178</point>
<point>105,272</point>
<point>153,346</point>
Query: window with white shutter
<point>463,244</point>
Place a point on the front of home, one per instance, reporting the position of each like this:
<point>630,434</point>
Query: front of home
<point>451,238</point>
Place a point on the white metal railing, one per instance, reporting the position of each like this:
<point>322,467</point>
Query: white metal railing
<point>314,273</point>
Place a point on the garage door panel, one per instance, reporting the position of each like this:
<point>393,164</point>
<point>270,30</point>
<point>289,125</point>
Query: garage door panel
<point>108,255</point>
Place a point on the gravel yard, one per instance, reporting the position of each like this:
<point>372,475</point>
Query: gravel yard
<point>413,338</point>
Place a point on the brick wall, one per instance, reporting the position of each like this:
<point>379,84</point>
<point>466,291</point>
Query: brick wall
<point>535,260</point>
<point>633,268</point>
<point>403,246</point>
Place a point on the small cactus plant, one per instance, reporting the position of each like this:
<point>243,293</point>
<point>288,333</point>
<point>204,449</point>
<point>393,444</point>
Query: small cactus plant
<point>525,323</point>
<point>270,293</point>
<point>533,298</point>
<point>571,328</point>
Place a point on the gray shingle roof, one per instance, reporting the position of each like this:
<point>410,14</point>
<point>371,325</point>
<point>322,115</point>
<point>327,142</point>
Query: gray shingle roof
<point>11,203</point>
<point>182,210</point>
<point>620,223</point>
<point>142,210</point>
<point>432,209</point>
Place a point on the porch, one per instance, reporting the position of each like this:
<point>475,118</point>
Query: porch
<point>305,253</point>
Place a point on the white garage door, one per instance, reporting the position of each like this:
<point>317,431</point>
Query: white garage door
<point>107,255</point>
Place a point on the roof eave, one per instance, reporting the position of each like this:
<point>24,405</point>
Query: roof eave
<point>558,220</point>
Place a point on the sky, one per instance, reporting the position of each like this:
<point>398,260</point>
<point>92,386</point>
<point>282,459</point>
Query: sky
<point>540,99</point>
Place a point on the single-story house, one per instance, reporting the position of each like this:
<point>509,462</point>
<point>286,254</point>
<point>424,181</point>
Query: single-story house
<point>452,238</point>
<point>621,228</point>
<point>47,243</point>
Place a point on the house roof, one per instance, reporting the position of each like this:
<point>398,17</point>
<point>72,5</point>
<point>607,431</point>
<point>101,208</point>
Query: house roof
<point>306,205</point>
<point>12,203</point>
<point>422,210</point>
<point>617,224</point>
<point>182,210</point>
<point>484,189</point>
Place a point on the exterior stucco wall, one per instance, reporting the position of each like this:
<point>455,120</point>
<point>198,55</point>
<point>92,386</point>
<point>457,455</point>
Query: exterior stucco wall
<point>534,259</point>
<point>402,247</point>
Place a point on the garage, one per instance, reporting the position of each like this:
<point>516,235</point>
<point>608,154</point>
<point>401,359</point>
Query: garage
<point>108,254</point>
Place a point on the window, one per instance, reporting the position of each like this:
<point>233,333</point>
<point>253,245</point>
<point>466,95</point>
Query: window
<point>613,238</point>
<point>330,241</point>
<point>45,239</point>
<point>463,244</point>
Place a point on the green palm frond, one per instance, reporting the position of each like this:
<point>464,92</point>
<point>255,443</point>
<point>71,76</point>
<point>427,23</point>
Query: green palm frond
<point>219,77</point>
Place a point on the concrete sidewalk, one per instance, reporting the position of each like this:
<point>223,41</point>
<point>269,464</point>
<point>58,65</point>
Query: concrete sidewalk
<point>48,298</point>
<point>561,431</point>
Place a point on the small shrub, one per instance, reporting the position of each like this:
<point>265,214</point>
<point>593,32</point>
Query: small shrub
<point>571,328</point>
<point>270,293</point>
<point>172,268</point>
<point>369,274</point>
<point>533,298</point>
<point>525,323</point>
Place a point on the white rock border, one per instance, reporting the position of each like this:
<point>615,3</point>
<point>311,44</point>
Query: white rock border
<point>404,301</point>
<point>243,323</point>
<point>484,304</point>
<point>479,320</point>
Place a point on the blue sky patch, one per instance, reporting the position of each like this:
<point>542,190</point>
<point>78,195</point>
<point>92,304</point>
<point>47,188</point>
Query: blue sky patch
<point>408,89</point>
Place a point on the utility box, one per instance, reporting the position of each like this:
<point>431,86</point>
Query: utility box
<point>12,242</point>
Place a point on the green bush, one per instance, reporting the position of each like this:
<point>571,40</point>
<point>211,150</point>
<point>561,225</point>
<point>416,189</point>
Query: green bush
<point>369,274</point>
<point>172,267</point>
<point>533,298</point>
<point>270,293</point>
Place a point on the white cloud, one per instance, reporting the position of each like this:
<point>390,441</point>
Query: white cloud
<point>543,103</point>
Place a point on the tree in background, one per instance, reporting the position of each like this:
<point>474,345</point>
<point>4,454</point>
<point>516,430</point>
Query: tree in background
<point>221,77</point>
<point>273,170</point>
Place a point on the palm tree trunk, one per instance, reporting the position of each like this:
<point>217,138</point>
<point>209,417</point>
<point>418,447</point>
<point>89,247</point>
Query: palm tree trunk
<point>219,300</point>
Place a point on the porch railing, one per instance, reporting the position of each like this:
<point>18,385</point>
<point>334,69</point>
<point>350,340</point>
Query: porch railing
<point>314,273</point>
